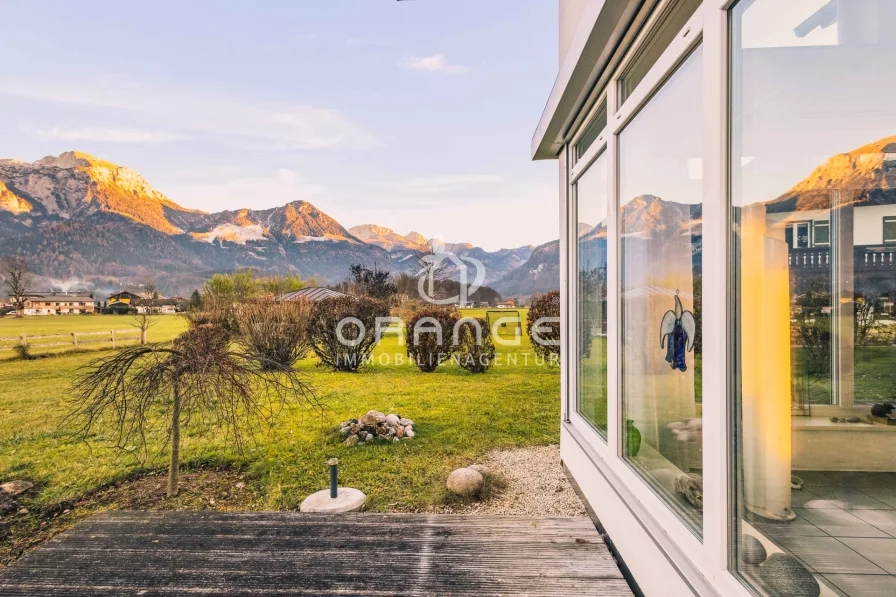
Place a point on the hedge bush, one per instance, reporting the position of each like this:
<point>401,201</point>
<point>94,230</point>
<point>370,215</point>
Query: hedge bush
<point>322,331</point>
<point>475,354</point>
<point>548,342</point>
<point>431,349</point>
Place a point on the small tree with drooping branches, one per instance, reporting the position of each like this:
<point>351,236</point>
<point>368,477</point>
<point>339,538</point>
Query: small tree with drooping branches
<point>208,375</point>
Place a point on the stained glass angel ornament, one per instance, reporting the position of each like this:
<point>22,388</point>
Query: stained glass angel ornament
<point>677,332</point>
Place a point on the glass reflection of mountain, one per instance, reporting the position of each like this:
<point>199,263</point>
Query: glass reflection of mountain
<point>649,217</point>
<point>848,202</point>
<point>592,246</point>
<point>862,177</point>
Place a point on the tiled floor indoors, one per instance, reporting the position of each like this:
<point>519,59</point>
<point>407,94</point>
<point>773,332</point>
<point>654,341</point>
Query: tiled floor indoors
<point>845,530</point>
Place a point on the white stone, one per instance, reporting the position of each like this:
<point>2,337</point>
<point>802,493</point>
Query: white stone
<point>346,500</point>
<point>465,481</point>
<point>392,420</point>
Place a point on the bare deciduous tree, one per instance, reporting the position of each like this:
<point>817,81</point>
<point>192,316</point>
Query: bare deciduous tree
<point>18,279</point>
<point>151,290</point>
<point>206,377</point>
<point>143,322</point>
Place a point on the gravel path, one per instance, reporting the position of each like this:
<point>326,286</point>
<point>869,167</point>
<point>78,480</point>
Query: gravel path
<point>536,485</point>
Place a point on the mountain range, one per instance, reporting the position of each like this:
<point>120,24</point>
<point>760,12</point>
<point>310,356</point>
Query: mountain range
<point>79,217</point>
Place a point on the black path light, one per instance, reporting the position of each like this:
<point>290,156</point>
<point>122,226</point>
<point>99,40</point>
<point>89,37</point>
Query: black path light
<point>335,499</point>
<point>334,477</point>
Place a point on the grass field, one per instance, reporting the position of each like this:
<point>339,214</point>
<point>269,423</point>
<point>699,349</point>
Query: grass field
<point>459,416</point>
<point>165,327</point>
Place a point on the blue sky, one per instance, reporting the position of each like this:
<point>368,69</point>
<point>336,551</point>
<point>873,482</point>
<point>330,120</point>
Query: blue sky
<point>415,115</point>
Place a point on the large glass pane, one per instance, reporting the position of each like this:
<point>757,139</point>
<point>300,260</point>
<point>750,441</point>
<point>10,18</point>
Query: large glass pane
<point>813,172</point>
<point>591,293</point>
<point>660,193</point>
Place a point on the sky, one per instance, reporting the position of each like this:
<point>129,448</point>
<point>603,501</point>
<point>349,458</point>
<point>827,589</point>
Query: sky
<point>414,115</point>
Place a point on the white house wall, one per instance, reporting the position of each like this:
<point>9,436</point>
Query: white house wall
<point>869,223</point>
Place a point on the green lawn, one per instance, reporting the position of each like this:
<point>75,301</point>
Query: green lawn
<point>875,376</point>
<point>165,327</point>
<point>459,416</point>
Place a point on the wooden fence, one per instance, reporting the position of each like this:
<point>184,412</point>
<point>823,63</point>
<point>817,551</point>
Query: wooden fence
<point>75,339</point>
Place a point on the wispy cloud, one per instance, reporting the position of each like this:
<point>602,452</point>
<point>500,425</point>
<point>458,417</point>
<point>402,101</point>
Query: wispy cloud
<point>435,64</point>
<point>115,135</point>
<point>253,192</point>
<point>438,183</point>
<point>187,112</point>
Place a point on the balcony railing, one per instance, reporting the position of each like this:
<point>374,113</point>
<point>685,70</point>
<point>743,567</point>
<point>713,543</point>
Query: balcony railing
<point>867,258</point>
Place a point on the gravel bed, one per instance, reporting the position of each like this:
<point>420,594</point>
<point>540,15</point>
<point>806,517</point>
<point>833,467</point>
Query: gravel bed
<point>535,485</point>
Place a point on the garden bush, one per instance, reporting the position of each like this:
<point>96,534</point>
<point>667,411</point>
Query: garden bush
<point>475,354</point>
<point>547,309</point>
<point>431,348</point>
<point>275,332</point>
<point>324,327</point>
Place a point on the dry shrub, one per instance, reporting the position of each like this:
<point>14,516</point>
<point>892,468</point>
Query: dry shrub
<point>325,324</point>
<point>275,332</point>
<point>218,313</point>
<point>431,348</point>
<point>475,354</point>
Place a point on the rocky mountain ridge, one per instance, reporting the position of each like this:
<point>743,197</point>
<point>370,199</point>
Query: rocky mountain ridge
<point>78,216</point>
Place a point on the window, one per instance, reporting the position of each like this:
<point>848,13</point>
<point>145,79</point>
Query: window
<point>890,230</point>
<point>812,123</point>
<point>660,197</point>
<point>676,16</point>
<point>592,206</point>
<point>598,123</point>
<point>821,233</point>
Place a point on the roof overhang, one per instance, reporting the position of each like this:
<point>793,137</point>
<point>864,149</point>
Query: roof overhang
<point>602,28</point>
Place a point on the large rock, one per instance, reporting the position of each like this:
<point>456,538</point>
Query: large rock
<point>373,417</point>
<point>14,488</point>
<point>392,420</point>
<point>465,482</point>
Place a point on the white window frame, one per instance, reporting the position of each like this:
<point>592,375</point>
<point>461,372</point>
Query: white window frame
<point>706,565</point>
<point>587,160</point>
<point>821,224</point>
<point>883,237</point>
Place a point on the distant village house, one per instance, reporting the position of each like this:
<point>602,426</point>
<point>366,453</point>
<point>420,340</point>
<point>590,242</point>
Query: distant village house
<point>50,303</point>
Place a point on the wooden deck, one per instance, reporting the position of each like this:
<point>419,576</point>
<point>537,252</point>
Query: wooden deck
<point>278,553</point>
